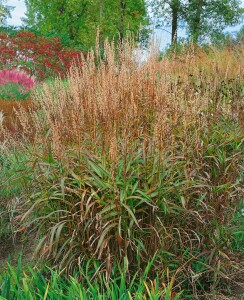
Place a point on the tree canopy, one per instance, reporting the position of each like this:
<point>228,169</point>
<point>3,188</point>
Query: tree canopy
<point>4,11</point>
<point>202,18</point>
<point>77,21</point>
<point>210,17</point>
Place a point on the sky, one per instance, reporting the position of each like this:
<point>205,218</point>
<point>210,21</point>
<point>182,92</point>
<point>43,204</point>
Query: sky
<point>161,35</point>
<point>17,13</point>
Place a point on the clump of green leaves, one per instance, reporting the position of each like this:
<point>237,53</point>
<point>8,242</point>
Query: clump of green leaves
<point>13,181</point>
<point>147,166</point>
<point>135,208</point>
<point>77,23</point>
<point>13,91</point>
<point>89,283</point>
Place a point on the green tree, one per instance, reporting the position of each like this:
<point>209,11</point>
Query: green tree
<point>169,13</point>
<point>64,18</point>
<point>4,12</point>
<point>202,18</point>
<point>77,21</point>
<point>208,18</point>
<point>240,35</point>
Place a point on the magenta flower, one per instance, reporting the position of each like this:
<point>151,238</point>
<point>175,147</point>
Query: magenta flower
<point>8,76</point>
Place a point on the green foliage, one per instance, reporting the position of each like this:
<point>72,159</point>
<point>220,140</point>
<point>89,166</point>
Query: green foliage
<point>14,91</point>
<point>9,29</point>
<point>237,229</point>
<point>13,180</point>
<point>168,12</point>
<point>223,40</point>
<point>13,174</point>
<point>76,22</point>
<point>131,167</point>
<point>90,282</point>
<point>97,210</point>
<point>4,12</point>
<point>202,19</point>
<point>209,18</point>
<point>240,35</point>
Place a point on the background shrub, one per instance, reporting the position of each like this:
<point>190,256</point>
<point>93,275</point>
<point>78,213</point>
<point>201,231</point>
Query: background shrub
<point>39,56</point>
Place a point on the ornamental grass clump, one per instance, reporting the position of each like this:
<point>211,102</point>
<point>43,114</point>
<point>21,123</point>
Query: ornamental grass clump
<point>131,163</point>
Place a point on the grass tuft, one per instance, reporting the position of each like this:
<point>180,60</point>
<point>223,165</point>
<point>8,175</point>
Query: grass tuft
<point>131,164</point>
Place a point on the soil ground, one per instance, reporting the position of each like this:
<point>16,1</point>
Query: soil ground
<point>11,249</point>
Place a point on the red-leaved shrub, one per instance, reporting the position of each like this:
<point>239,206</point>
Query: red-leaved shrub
<point>39,56</point>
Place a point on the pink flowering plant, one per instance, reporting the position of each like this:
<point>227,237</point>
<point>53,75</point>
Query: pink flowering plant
<point>15,84</point>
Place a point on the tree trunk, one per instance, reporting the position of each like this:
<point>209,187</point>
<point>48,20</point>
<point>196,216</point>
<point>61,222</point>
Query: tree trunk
<point>175,6</point>
<point>197,6</point>
<point>122,14</point>
<point>100,24</point>
<point>198,20</point>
